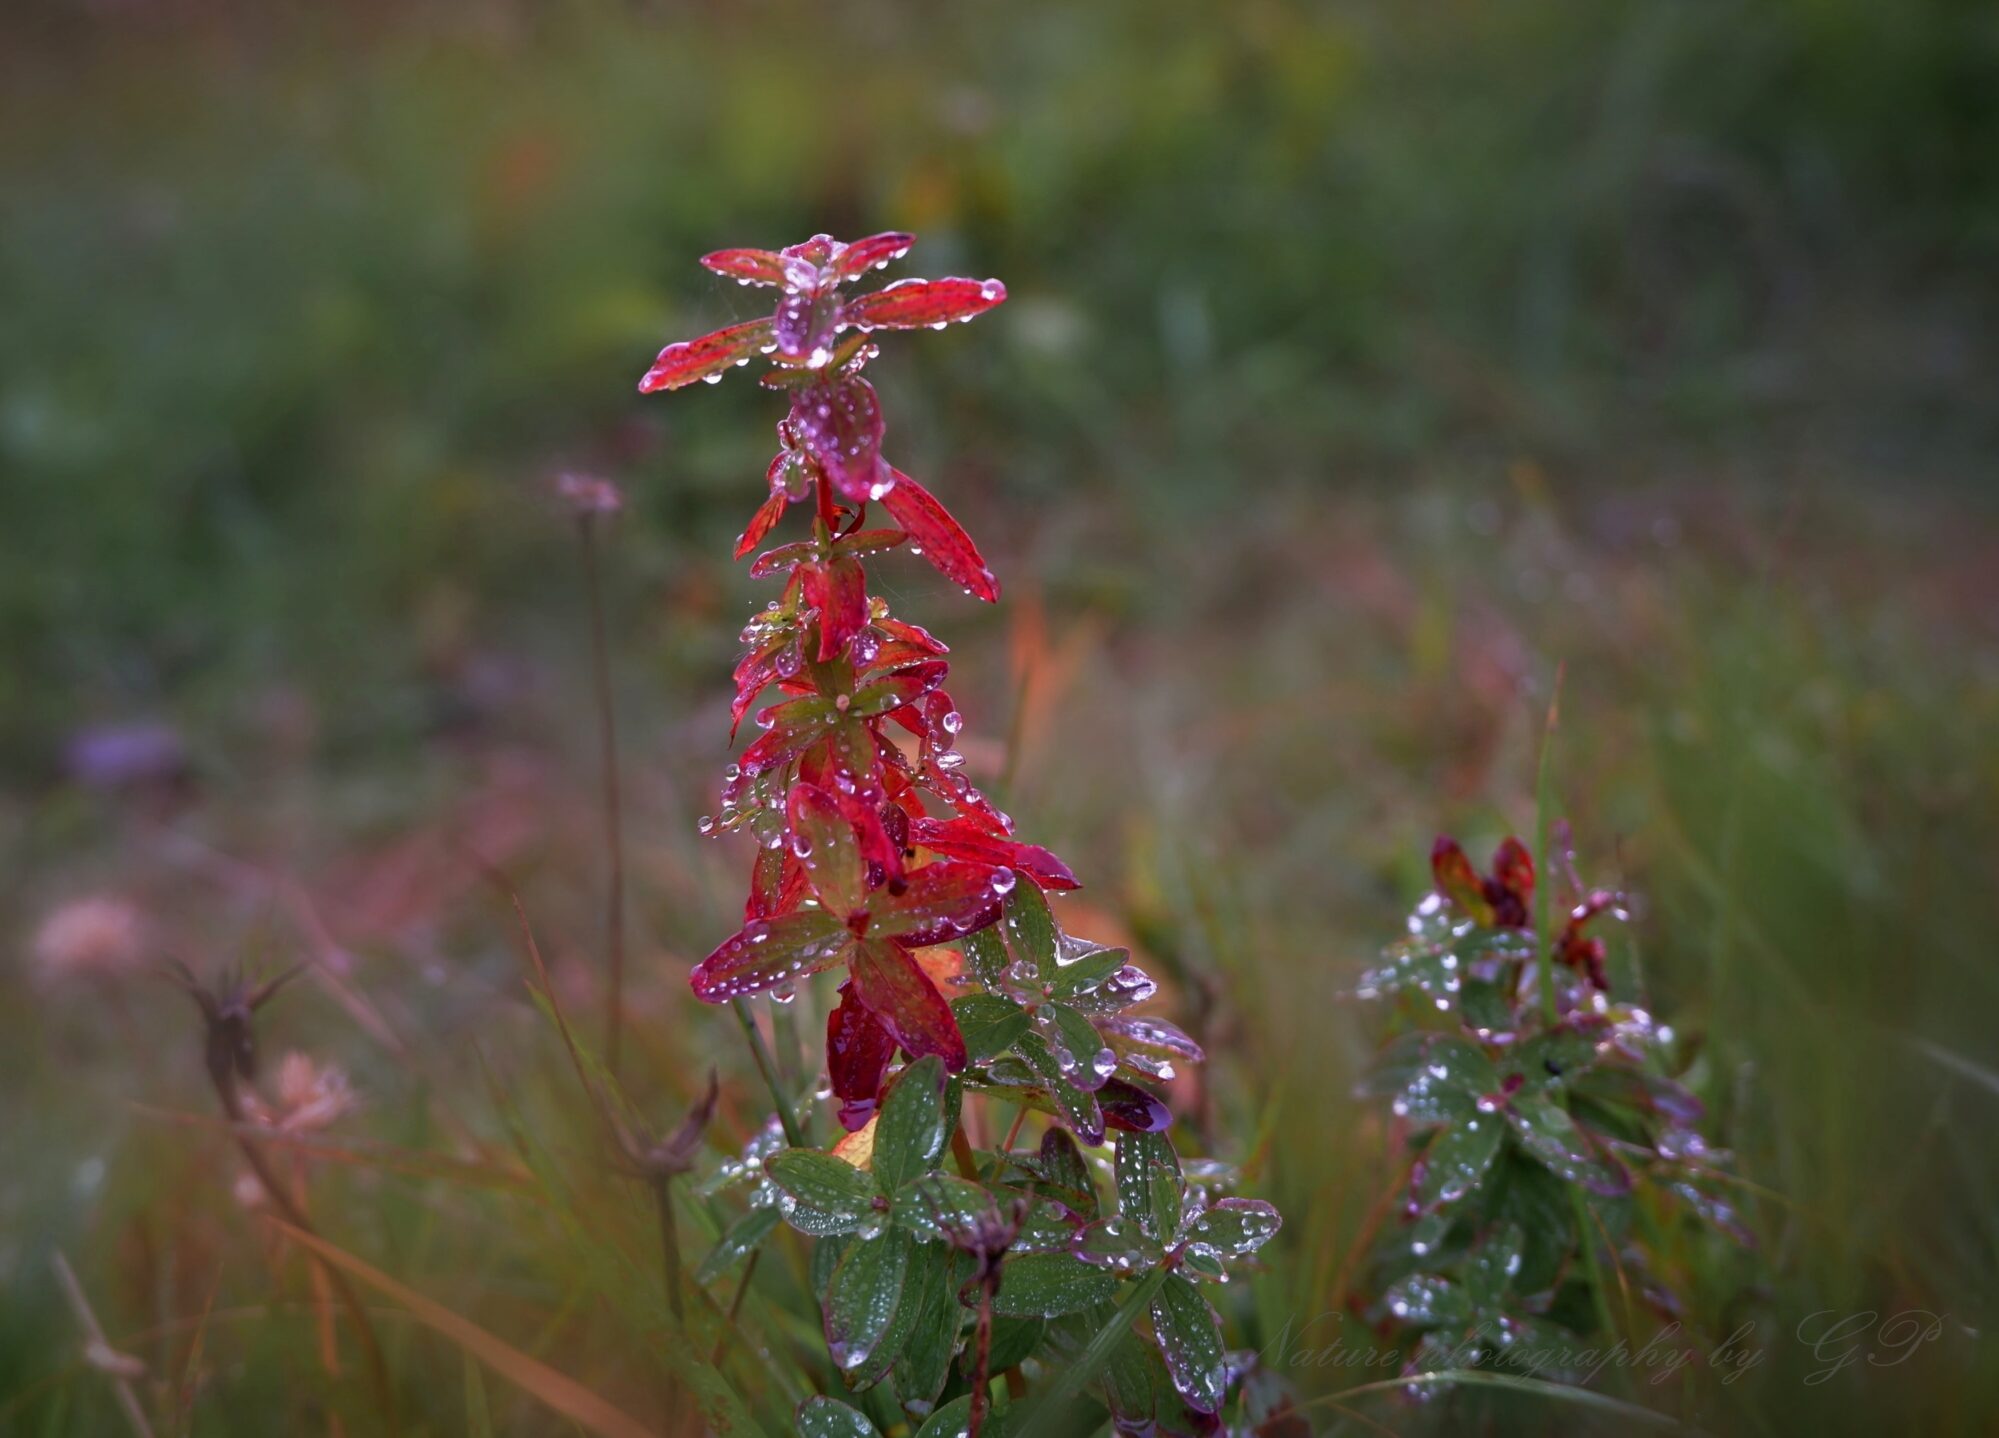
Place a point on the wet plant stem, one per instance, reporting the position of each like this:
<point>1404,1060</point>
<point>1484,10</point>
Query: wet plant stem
<point>982,1371</point>
<point>760,1051</point>
<point>1543,817</point>
<point>607,757</point>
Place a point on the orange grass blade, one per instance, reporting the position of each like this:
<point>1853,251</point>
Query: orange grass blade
<point>563,1394</point>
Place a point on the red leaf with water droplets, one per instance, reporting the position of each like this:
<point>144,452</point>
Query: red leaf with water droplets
<point>824,842</point>
<point>940,903</point>
<point>1458,881</point>
<point>1129,1107</point>
<point>858,1050</point>
<point>893,987</point>
<point>913,304</point>
<point>705,358</point>
<point>759,267</point>
<point>768,514</point>
<point>839,590</point>
<point>839,423</point>
<point>905,685</point>
<point>767,952</point>
<point>942,539</point>
<point>966,839</point>
<point>864,255</point>
<point>777,883</point>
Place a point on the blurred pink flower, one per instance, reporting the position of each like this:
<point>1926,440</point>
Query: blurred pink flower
<point>100,936</point>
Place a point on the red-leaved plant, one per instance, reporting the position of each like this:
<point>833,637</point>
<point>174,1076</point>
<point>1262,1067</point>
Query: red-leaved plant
<point>878,857</point>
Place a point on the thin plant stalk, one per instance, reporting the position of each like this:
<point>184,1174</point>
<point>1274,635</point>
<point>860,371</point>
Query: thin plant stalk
<point>760,1051</point>
<point>100,1347</point>
<point>607,757</point>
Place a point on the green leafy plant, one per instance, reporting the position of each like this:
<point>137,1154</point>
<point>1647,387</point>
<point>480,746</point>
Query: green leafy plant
<point>877,858</point>
<point>1554,1152</point>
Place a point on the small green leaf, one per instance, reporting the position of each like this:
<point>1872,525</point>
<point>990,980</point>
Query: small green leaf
<point>828,1195</point>
<point>1548,1133</point>
<point>935,1318</point>
<point>934,1203</point>
<point>1063,1174</point>
<point>1493,1264</point>
<point>1427,1301</point>
<point>1074,1106</point>
<point>743,1237</point>
<point>862,1298</point>
<point>1457,1159</point>
<point>910,1133</point>
<point>985,956</point>
<point>991,1023</point>
<point>1086,972</point>
<point>1447,1083</point>
<point>1030,930</point>
<point>1047,1285</point>
<point>1081,1054</point>
<point>1557,1057</point>
<point>826,1256</point>
<point>1014,1342</point>
<point>1190,1340</point>
<point>1118,1244</point>
<point>1233,1227</point>
<point>1048,1227</point>
<point>822,1417</point>
<point>1149,1184</point>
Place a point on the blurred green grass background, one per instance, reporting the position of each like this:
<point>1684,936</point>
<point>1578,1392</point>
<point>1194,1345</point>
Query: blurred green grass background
<point>1364,362</point>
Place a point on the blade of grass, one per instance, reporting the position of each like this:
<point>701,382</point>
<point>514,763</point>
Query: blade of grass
<point>556,1390</point>
<point>1071,1379</point>
<point>1536,1387</point>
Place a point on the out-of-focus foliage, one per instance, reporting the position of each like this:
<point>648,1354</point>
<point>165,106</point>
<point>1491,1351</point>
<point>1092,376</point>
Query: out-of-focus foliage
<point>295,304</point>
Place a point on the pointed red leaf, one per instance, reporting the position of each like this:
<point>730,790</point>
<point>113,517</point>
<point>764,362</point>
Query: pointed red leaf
<point>943,541</point>
<point>940,903</point>
<point>824,842</point>
<point>893,987</point>
<point>912,304</point>
<point>706,358</point>
<point>858,1050</point>
<point>966,839</point>
<point>871,254</point>
<point>839,423</point>
<point>769,952</point>
<point>904,686</point>
<point>772,560</point>
<point>839,590</point>
<point>768,514</point>
<point>777,883</point>
<point>755,267</point>
<point>1513,873</point>
<point>1458,881</point>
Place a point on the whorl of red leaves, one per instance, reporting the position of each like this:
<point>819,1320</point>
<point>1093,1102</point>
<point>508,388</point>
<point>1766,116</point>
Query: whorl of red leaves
<point>1504,899</point>
<point>872,844</point>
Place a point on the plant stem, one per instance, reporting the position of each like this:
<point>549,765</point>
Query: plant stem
<point>669,1247</point>
<point>607,754</point>
<point>760,1051</point>
<point>79,1304</point>
<point>735,1307</point>
<point>982,1373</point>
<point>1071,1380</point>
<point>1544,881</point>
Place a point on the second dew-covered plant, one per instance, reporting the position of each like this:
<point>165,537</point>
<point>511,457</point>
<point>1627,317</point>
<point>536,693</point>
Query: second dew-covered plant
<point>944,1271</point>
